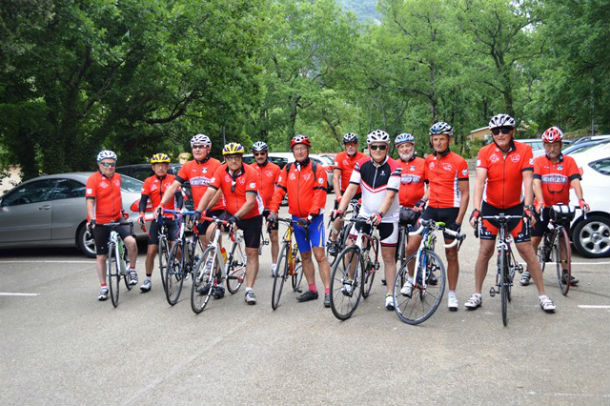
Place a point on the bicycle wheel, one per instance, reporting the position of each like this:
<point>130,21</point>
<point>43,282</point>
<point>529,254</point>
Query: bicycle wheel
<point>124,265</point>
<point>562,244</point>
<point>297,276</point>
<point>280,276</point>
<point>163,254</point>
<point>345,281</point>
<point>236,271</point>
<point>503,264</point>
<point>425,298</point>
<point>113,274</point>
<point>368,274</point>
<point>174,276</point>
<point>203,277</point>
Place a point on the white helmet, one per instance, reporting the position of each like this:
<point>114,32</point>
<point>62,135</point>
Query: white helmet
<point>201,139</point>
<point>441,128</point>
<point>106,154</point>
<point>378,136</point>
<point>501,120</point>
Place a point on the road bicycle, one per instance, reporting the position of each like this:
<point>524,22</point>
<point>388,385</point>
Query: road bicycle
<point>333,248</point>
<point>507,265</point>
<point>117,262</point>
<point>354,269</point>
<point>555,245</point>
<point>208,272</point>
<point>182,256</point>
<point>415,297</point>
<point>288,264</point>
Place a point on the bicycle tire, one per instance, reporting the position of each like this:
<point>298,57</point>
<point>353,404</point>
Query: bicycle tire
<point>203,276</point>
<point>280,276</point>
<point>163,254</point>
<point>236,270</point>
<point>424,301</point>
<point>504,292</point>
<point>368,274</point>
<point>297,277</point>
<point>342,303</point>
<point>562,240</point>
<point>124,261</point>
<point>174,276</point>
<point>113,274</point>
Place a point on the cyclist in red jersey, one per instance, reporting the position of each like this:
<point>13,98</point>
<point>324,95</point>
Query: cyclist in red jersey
<point>198,173</point>
<point>268,172</point>
<point>306,200</point>
<point>153,189</point>
<point>554,175</point>
<point>239,186</point>
<point>344,165</point>
<point>502,168</point>
<point>104,205</point>
<point>446,174</point>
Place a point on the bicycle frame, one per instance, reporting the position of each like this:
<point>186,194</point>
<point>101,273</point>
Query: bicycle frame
<point>236,237</point>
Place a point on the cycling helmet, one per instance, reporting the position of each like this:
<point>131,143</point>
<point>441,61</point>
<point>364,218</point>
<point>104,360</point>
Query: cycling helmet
<point>501,120</point>
<point>232,148</point>
<point>551,135</point>
<point>159,158</point>
<point>299,139</point>
<point>350,137</point>
<point>260,146</point>
<point>378,136</point>
<point>106,154</point>
<point>201,139</point>
<point>404,137</point>
<point>441,128</point>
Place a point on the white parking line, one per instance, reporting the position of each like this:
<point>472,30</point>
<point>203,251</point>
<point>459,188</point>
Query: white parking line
<point>18,294</point>
<point>594,306</point>
<point>41,261</point>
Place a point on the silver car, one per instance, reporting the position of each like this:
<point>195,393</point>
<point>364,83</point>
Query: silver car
<point>50,211</point>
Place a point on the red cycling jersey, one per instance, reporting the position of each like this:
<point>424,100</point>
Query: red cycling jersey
<point>556,178</point>
<point>199,174</point>
<point>107,195</point>
<point>505,173</point>
<point>306,191</point>
<point>345,164</point>
<point>411,181</point>
<point>443,174</point>
<point>235,187</point>
<point>267,175</point>
<point>154,188</point>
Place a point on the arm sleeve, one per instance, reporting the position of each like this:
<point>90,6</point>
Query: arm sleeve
<point>319,192</point>
<point>252,183</point>
<point>394,181</point>
<point>91,189</point>
<point>182,175</point>
<point>481,160</point>
<point>528,160</point>
<point>356,177</point>
<point>215,181</point>
<point>462,170</point>
<point>280,191</point>
<point>143,202</point>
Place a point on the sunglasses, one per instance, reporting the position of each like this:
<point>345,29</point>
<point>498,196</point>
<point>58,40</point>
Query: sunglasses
<point>232,157</point>
<point>199,146</point>
<point>260,154</point>
<point>108,164</point>
<point>382,147</point>
<point>503,129</point>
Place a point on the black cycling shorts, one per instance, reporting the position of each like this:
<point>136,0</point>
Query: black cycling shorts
<point>101,235</point>
<point>251,227</point>
<point>447,215</point>
<point>388,233</point>
<point>517,228</point>
<point>153,231</point>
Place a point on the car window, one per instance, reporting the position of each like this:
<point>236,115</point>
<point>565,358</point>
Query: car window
<point>67,189</point>
<point>130,184</point>
<point>33,192</point>
<point>281,162</point>
<point>602,166</point>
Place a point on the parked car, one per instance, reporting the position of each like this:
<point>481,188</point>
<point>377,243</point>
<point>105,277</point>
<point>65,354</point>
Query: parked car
<point>591,235</point>
<point>538,146</point>
<point>583,146</point>
<point>50,211</point>
<point>592,138</point>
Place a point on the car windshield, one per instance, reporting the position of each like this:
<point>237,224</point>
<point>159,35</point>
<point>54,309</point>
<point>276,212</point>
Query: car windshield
<point>130,184</point>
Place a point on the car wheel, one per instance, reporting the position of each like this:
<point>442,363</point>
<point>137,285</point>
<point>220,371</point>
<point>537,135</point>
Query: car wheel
<point>85,242</point>
<point>591,237</point>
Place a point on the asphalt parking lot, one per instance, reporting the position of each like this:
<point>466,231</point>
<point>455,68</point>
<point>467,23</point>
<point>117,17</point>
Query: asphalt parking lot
<point>61,346</point>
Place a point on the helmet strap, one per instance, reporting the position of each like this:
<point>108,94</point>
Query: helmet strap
<point>204,160</point>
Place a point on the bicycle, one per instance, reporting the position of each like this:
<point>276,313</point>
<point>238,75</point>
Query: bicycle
<point>207,273</point>
<point>556,242</point>
<point>288,264</point>
<point>164,246</point>
<point>507,265</point>
<point>416,298</point>
<point>353,272</point>
<point>181,257</point>
<point>339,243</point>
<point>117,262</point>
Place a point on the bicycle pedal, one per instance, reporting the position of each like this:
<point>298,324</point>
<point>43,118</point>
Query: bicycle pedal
<point>492,292</point>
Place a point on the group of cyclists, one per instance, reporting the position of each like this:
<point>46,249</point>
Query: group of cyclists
<point>391,191</point>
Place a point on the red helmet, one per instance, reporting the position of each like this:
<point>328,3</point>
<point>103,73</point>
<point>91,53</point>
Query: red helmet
<point>299,139</point>
<point>551,135</point>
